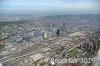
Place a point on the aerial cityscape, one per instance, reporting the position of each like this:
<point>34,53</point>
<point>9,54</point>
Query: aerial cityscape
<point>49,38</point>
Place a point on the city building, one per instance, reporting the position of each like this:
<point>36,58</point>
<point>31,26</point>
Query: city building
<point>58,32</point>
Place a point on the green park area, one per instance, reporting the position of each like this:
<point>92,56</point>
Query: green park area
<point>1,46</point>
<point>72,53</point>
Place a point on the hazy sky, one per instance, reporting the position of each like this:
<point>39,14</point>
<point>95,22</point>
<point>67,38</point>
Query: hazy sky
<point>50,6</point>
